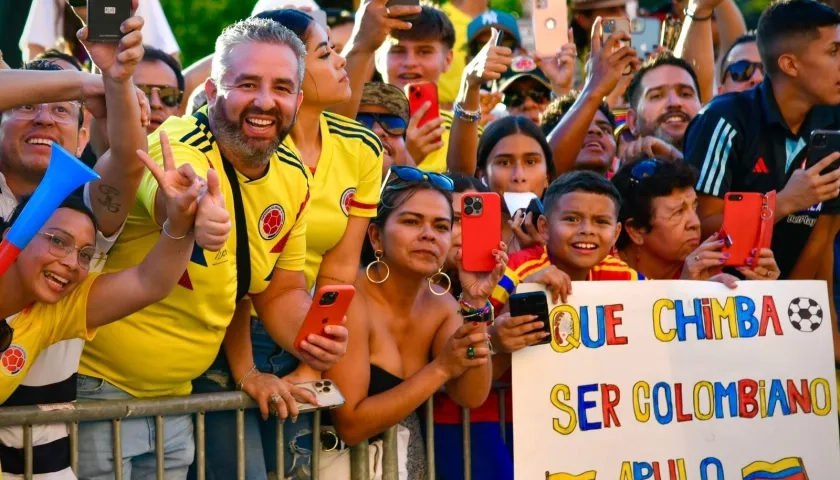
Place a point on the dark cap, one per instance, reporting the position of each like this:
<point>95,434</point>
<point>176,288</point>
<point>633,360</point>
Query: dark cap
<point>521,67</point>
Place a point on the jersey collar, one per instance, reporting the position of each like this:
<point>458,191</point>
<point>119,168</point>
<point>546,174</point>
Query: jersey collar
<point>819,116</point>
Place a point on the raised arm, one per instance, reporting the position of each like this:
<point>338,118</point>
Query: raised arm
<point>158,273</point>
<point>489,65</point>
<point>120,172</point>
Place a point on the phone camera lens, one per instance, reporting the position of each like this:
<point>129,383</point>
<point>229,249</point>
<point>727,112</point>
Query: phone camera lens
<point>820,140</point>
<point>469,200</point>
<point>327,383</point>
<point>319,384</point>
<point>326,389</point>
<point>328,298</point>
<point>468,210</point>
<point>477,205</point>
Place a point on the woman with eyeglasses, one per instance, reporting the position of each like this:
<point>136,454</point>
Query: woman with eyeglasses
<point>48,296</point>
<point>343,161</point>
<point>660,235</point>
<point>410,336</point>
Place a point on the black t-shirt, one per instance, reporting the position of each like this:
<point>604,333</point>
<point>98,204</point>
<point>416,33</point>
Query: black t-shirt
<point>740,142</point>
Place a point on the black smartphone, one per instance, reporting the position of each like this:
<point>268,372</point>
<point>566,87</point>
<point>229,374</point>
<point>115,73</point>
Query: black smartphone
<point>104,18</point>
<point>532,303</point>
<point>823,143</point>
<point>409,3</point>
<point>535,208</point>
<point>77,3</point>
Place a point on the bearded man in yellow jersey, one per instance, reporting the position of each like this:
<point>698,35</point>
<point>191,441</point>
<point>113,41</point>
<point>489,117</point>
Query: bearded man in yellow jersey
<point>253,96</point>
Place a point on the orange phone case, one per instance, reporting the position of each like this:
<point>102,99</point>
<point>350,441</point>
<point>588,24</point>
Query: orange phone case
<point>747,225</point>
<point>420,93</point>
<point>328,308</point>
<point>551,26</point>
<point>481,230</point>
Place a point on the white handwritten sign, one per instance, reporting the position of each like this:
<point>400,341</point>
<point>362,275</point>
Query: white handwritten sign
<point>677,380</point>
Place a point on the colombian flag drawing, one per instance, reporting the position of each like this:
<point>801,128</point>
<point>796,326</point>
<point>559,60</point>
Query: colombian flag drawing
<point>790,468</point>
<point>568,476</point>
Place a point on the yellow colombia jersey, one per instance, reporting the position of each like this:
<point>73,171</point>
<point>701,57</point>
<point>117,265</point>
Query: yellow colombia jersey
<point>436,161</point>
<point>162,348</point>
<point>346,182</point>
<point>450,82</point>
<point>40,326</point>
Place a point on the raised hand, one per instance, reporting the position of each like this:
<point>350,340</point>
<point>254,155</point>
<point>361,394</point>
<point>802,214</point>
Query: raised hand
<point>609,61</point>
<point>421,141</point>
<point>454,359</point>
<point>477,286</point>
<point>765,268</point>
<point>322,352</point>
<point>560,69</point>
<point>489,64</point>
<point>374,22</point>
<point>706,261</point>
<point>650,147</point>
<point>180,188</point>
<point>117,60</point>
<point>212,220</point>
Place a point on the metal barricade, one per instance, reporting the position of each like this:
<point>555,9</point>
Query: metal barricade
<point>198,405</point>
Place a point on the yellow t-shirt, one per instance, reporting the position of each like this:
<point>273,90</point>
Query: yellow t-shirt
<point>436,161</point>
<point>40,326</point>
<point>345,183</point>
<point>450,82</point>
<point>162,348</point>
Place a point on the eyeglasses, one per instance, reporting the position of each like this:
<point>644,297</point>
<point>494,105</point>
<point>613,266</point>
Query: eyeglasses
<point>60,112</point>
<point>61,246</point>
<point>742,70</point>
<point>7,333</point>
<point>517,99</point>
<point>169,96</point>
<point>412,174</point>
<point>393,125</point>
<point>643,170</point>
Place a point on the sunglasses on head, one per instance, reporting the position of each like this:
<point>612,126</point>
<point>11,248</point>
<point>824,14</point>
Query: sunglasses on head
<point>393,125</point>
<point>742,70</point>
<point>517,99</point>
<point>410,175</point>
<point>169,96</point>
<point>642,170</point>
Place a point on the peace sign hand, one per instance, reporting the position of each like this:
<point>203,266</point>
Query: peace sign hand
<point>180,188</point>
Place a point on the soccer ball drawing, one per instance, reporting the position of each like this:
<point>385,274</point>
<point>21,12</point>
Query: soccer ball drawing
<point>805,314</point>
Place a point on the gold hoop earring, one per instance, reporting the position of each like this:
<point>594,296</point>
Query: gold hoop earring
<point>378,255</point>
<point>441,276</point>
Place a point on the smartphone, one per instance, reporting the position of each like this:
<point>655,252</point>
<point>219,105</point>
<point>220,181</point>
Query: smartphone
<point>326,393</point>
<point>532,303</point>
<point>823,143</point>
<point>328,308</point>
<point>408,3</point>
<point>551,27</point>
<point>320,17</point>
<point>481,230</point>
<point>535,208</point>
<point>104,18</point>
<point>515,201</point>
<point>645,34</point>
<point>671,29</point>
<point>420,93</point>
<point>742,226</point>
<point>77,3</point>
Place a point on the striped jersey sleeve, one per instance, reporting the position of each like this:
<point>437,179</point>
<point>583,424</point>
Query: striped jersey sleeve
<point>612,268</point>
<point>712,145</point>
<point>520,265</point>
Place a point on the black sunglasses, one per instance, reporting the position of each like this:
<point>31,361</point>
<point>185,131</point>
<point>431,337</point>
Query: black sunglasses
<point>170,96</point>
<point>411,174</point>
<point>742,70</point>
<point>393,125</point>
<point>517,99</point>
<point>6,335</point>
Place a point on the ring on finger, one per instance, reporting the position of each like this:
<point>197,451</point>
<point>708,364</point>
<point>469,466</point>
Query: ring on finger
<point>768,273</point>
<point>275,398</point>
<point>697,258</point>
<point>470,352</point>
<point>387,12</point>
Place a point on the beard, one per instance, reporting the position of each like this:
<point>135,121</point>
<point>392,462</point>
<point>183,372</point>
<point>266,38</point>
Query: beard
<point>252,152</point>
<point>655,129</point>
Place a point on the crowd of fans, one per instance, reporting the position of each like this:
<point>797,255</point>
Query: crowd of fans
<point>291,159</point>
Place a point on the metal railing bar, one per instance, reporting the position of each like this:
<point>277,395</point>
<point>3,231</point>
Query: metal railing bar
<point>240,444</point>
<point>117,445</point>
<point>201,452</point>
<point>430,437</point>
<point>159,437</point>
<point>316,446</point>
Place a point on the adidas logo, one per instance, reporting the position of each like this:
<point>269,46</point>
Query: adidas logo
<point>760,166</point>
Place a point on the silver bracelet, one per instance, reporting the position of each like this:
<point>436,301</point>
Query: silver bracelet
<point>165,232</point>
<point>247,374</point>
<point>466,115</point>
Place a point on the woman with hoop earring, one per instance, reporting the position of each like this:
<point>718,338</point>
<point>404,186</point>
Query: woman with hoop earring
<point>408,336</point>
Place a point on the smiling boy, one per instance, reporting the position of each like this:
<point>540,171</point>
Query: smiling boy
<point>581,226</point>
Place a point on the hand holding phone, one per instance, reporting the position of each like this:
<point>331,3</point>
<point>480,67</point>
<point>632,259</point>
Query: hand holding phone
<point>104,19</point>
<point>822,144</point>
<point>747,226</point>
<point>326,394</point>
<point>531,304</point>
<point>515,201</point>
<point>328,308</point>
<point>550,24</point>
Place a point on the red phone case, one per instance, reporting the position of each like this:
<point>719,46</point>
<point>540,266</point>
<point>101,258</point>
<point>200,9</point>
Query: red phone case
<point>747,225</point>
<point>480,233</point>
<point>420,93</point>
<point>319,316</point>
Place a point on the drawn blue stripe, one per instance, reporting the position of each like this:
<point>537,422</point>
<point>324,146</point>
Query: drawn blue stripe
<point>765,475</point>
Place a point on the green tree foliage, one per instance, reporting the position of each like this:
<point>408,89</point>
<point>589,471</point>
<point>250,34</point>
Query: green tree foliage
<point>196,24</point>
